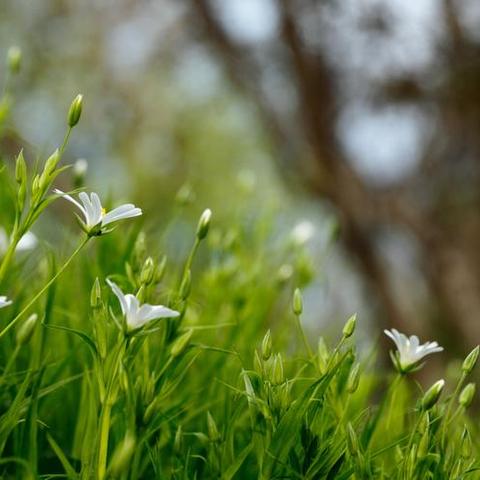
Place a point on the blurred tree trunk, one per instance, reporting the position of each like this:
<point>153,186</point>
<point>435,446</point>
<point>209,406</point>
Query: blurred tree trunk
<point>446,227</point>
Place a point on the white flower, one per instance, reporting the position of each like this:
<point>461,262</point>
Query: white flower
<point>137,315</point>
<point>27,242</point>
<point>4,302</point>
<point>94,214</point>
<point>409,351</point>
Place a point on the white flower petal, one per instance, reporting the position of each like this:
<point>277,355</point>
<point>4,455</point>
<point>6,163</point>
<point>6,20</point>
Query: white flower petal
<point>120,213</point>
<point>121,297</point>
<point>72,200</point>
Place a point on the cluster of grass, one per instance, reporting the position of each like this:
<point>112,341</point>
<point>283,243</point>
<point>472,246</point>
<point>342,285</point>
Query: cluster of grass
<point>227,385</point>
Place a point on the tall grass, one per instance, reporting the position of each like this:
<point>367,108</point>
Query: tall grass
<point>227,385</point>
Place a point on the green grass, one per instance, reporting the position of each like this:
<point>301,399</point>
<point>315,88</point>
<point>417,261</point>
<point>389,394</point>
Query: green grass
<point>231,388</point>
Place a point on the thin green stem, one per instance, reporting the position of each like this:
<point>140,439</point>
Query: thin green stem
<point>301,332</point>
<point>44,289</point>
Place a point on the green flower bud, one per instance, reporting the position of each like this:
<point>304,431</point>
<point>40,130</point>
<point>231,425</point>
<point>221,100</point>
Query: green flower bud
<point>14,59</point>
<point>353,379</point>
<point>323,355</point>
<point>181,343</point>
<point>20,169</point>
<point>122,456</point>
<point>178,442</point>
<point>96,294</point>
<point>267,346</point>
<point>25,332</point>
<point>349,327</point>
<point>148,271</point>
<point>204,224</point>
<point>352,440</point>
<point>75,111</point>
<point>470,360</point>
<point>297,302</point>
<point>432,395</point>
<point>277,370</point>
<point>424,445</point>
<point>466,397</point>
<point>213,433</point>
<point>185,195</point>
<point>50,166</point>
<point>466,448</point>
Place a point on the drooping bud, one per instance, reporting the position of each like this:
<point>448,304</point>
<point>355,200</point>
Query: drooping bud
<point>25,332</point>
<point>297,302</point>
<point>432,395</point>
<point>466,397</point>
<point>349,327</point>
<point>148,271</point>
<point>75,111</point>
<point>204,224</point>
<point>353,379</point>
<point>267,346</point>
<point>122,456</point>
<point>470,360</point>
<point>213,433</point>
<point>14,59</point>
<point>181,343</point>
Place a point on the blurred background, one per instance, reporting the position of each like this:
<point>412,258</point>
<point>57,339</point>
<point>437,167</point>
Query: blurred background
<point>354,124</point>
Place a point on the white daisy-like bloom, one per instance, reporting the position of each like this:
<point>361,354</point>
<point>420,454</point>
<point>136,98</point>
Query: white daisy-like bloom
<point>4,302</point>
<point>96,218</point>
<point>409,351</point>
<point>137,315</point>
<point>27,242</point>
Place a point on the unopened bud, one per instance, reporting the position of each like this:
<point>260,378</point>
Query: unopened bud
<point>96,294</point>
<point>178,442</point>
<point>20,169</point>
<point>75,111</point>
<point>470,360</point>
<point>185,195</point>
<point>14,59</point>
<point>432,395</point>
<point>423,446</point>
<point>122,456</point>
<point>181,343</point>
<point>352,440</point>
<point>353,379</point>
<point>297,302</point>
<point>277,370</point>
<point>349,327</point>
<point>25,332</point>
<point>466,448</point>
<point>466,397</point>
<point>323,355</point>
<point>204,224</point>
<point>267,346</point>
<point>148,271</point>
<point>50,165</point>
<point>213,433</point>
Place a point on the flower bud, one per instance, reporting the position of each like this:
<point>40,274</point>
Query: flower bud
<point>96,294</point>
<point>323,355</point>
<point>181,343</point>
<point>122,456</point>
<point>148,272</point>
<point>349,327</point>
<point>20,169</point>
<point>466,397</point>
<point>353,379</point>
<point>178,442</point>
<point>297,302</point>
<point>267,346</point>
<point>213,433</point>
<point>184,195</point>
<point>204,224</point>
<point>14,59</point>
<point>75,111</point>
<point>470,360</point>
<point>432,395</point>
<point>25,332</point>
<point>466,448</point>
<point>352,440</point>
<point>277,370</point>
<point>423,446</point>
<point>50,165</point>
